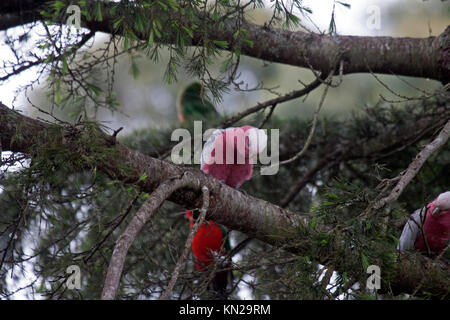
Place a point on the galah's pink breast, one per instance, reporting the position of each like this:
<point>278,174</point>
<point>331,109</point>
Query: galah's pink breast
<point>227,166</point>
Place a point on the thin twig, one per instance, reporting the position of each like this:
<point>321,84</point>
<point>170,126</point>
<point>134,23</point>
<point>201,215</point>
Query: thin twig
<point>311,131</point>
<point>110,232</point>
<point>313,127</point>
<point>416,165</point>
<point>326,161</point>
<point>272,108</point>
<point>241,245</point>
<point>260,106</point>
<point>188,244</point>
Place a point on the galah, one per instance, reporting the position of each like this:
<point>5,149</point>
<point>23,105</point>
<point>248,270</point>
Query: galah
<point>229,154</point>
<point>428,228</point>
<point>193,104</point>
<point>210,242</point>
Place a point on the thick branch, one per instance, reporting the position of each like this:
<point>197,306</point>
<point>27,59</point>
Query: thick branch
<point>237,211</point>
<point>416,57</point>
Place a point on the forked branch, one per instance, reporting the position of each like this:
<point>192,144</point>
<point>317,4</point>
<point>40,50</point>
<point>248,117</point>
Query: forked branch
<point>415,165</point>
<point>124,242</point>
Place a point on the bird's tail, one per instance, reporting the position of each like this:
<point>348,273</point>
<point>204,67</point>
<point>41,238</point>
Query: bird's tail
<point>222,283</point>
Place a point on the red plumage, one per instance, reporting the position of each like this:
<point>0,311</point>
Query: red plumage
<point>210,241</point>
<point>207,241</point>
<point>436,231</point>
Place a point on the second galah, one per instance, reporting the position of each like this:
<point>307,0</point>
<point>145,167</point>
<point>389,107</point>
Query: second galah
<point>428,229</point>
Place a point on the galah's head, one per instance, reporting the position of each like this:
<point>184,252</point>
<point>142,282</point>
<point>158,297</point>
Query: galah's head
<point>257,140</point>
<point>441,203</point>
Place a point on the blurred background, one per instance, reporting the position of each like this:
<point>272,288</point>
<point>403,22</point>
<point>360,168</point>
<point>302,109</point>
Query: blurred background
<point>146,99</point>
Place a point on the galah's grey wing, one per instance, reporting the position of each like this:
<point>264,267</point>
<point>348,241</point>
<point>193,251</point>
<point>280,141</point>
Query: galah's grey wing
<point>411,230</point>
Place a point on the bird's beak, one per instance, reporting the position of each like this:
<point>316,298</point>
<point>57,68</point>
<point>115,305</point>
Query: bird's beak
<point>435,210</point>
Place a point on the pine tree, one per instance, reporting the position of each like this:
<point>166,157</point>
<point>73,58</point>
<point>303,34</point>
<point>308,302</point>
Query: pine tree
<point>72,186</point>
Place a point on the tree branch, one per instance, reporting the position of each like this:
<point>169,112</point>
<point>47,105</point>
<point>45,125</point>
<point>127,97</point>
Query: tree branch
<point>188,244</point>
<point>311,131</point>
<point>301,183</point>
<point>161,193</point>
<point>416,165</point>
<point>261,106</point>
<point>416,57</point>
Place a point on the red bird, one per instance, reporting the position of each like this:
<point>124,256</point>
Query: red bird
<point>428,229</point>
<point>211,241</point>
<point>229,154</point>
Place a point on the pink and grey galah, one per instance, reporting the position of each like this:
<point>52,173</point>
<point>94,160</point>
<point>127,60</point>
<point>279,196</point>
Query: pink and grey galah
<point>229,154</point>
<point>428,228</point>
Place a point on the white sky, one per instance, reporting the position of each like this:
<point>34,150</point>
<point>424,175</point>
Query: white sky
<point>348,21</point>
